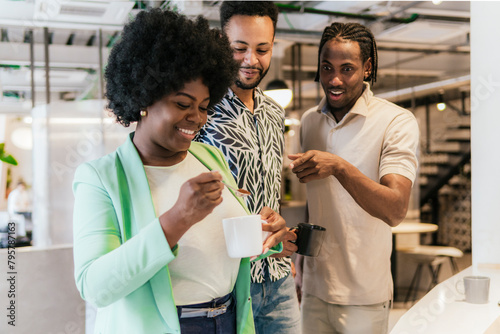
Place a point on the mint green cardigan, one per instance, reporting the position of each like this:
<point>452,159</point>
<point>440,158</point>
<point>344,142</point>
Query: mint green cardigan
<point>120,252</point>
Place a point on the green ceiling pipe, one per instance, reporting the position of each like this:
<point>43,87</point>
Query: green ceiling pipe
<point>293,8</point>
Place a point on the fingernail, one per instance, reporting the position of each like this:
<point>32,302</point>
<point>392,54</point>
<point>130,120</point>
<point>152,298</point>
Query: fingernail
<point>266,250</point>
<point>291,166</point>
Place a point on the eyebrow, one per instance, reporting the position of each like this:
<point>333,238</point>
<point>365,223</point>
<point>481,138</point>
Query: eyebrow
<point>243,42</point>
<point>190,96</point>
<point>343,64</point>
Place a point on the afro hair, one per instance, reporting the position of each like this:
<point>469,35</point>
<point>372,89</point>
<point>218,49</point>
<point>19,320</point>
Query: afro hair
<point>159,52</point>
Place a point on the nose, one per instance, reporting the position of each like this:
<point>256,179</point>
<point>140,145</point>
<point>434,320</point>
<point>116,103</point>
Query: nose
<point>250,57</point>
<point>195,115</point>
<point>335,80</point>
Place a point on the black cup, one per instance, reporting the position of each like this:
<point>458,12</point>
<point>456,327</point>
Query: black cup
<point>309,239</point>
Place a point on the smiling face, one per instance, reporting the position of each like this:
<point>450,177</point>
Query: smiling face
<point>164,135</point>
<point>342,72</point>
<point>251,38</point>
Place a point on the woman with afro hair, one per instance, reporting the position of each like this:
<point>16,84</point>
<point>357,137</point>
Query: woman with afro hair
<point>149,248</point>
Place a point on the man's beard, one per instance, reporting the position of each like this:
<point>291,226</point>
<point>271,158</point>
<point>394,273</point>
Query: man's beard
<point>242,85</point>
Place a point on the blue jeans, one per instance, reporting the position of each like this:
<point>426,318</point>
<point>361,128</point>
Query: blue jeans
<point>275,306</point>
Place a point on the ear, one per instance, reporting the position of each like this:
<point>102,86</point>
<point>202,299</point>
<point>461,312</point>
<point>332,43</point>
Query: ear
<point>367,68</point>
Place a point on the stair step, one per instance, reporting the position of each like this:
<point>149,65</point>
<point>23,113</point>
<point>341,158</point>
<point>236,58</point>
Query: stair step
<point>436,159</point>
<point>457,135</point>
<point>429,170</point>
<point>457,180</point>
<point>446,190</point>
<point>467,168</point>
<point>423,180</point>
<point>462,123</point>
<point>447,147</point>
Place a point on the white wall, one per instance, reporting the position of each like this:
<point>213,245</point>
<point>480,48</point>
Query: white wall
<point>485,121</point>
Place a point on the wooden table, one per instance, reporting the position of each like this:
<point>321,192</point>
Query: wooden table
<point>406,227</point>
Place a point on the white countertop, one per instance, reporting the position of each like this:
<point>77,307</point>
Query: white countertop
<point>443,309</point>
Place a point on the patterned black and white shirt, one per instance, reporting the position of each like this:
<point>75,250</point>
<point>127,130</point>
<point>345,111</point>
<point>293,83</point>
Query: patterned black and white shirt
<point>253,147</point>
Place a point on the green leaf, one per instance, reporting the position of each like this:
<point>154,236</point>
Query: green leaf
<point>8,159</point>
<point>5,157</point>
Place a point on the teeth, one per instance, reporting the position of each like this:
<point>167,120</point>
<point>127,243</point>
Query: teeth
<point>335,92</point>
<point>188,132</point>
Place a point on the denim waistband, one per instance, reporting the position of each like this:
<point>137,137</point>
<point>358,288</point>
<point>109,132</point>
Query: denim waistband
<point>209,309</point>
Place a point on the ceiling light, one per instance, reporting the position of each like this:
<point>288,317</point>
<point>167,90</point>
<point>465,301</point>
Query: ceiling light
<point>291,121</point>
<point>278,90</point>
<point>441,105</point>
<point>22,138</point>
<point>78,14</point>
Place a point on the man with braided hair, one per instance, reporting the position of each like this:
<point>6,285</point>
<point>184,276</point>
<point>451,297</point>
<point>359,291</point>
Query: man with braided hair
<point>359,165</point>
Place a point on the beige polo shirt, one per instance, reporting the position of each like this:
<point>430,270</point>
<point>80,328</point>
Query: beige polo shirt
<point>379,138</point>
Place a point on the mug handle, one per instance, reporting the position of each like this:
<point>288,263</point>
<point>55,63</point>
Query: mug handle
<point>295,229</point>
<point>265,234</point>
<point>460,287</point>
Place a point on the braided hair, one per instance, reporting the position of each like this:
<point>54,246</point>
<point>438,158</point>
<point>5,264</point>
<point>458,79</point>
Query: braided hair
<point>357,33</point>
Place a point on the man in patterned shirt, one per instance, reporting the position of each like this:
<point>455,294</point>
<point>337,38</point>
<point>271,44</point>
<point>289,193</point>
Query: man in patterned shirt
<point>248,128</point>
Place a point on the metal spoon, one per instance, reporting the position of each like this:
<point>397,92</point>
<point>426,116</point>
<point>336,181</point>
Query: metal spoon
<point>238,192</point>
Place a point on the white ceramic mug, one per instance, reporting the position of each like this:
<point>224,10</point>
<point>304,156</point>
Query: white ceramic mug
<point>244,236</point>
<point>475,288</point>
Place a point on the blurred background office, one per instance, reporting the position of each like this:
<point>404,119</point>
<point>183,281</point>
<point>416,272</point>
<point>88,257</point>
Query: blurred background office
<point>52,118</point>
